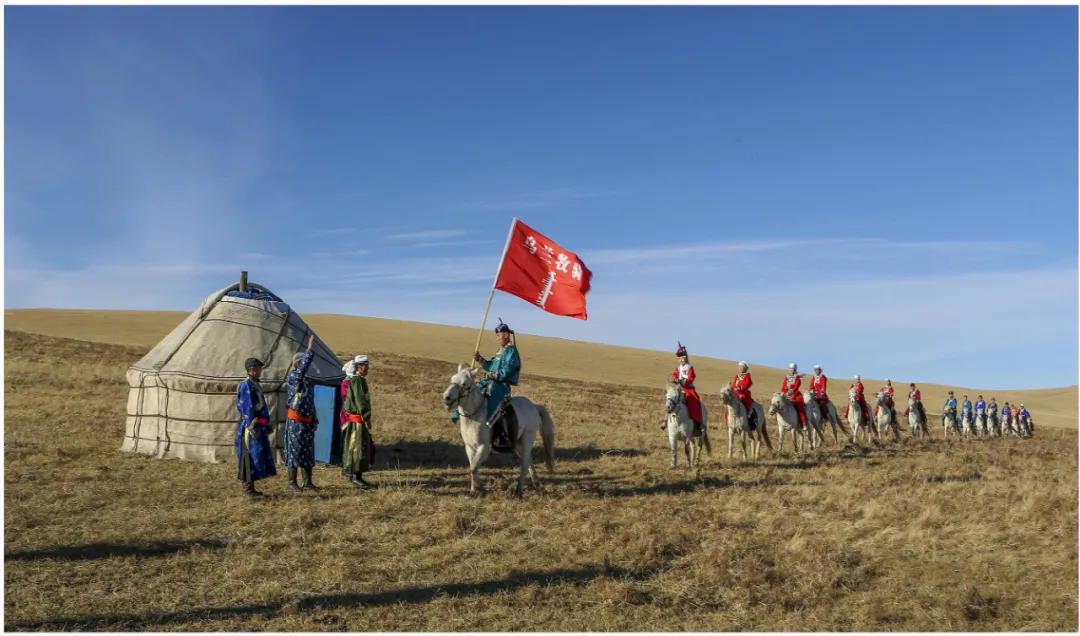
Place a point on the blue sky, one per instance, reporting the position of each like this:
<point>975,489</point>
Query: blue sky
<point>890,191</point>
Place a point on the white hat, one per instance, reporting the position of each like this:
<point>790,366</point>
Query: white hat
<point>743,364</point>
<point>817,366</point>
<point>791,366</point>
<point>361,359</point>
<point>856,376</point>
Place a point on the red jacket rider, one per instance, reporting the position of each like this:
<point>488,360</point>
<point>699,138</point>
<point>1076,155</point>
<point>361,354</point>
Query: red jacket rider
<point>791,384</point>
<point>817,386</point>
<point>888,391</point>
<point>684,375</point>
<point>741,384</point>
<point>861,399</point>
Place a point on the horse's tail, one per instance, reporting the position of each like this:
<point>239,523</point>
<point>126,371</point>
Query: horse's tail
<point>840,422</point>
<point>706,442</point>
<point>765,430</point>
<point>547,432</point>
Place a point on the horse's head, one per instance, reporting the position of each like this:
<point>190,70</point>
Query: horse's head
<point>881,397</point>
<point>777,402</point>
<point>809,397</point>
<point>853,395</point>
<point>727,396</point>
<point>675,396</point>
<point>461,385</point>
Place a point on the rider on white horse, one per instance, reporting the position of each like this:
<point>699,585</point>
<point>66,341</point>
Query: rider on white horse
<point>684,376</point>
<point>889,401</point>
<point>980,412</point>
<point>503,370</point>
<point>950,406</point>
<point>914,394</point>
<point>966,409</point>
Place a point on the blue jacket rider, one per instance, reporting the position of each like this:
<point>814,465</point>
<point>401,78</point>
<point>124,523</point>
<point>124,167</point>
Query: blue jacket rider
<point>502,371</point>
<point>950,404</point>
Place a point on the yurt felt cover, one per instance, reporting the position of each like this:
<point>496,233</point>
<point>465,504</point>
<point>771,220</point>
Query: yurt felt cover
<point>182,401</point>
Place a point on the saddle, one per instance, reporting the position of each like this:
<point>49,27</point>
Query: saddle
<point>503,427</point>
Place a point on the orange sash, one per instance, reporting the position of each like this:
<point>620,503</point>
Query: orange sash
<point>301,418</point>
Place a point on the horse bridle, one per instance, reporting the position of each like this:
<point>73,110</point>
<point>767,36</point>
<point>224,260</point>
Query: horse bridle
<point>458,396</point>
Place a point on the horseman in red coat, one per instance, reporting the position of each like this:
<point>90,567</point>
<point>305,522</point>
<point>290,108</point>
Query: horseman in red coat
<point>684,375</point>
<point>915,395</point>
<point>817,387</point>
<point>791,384</point>
<point>861,399</point>
<point>888,391</point>
<point>740,385</point>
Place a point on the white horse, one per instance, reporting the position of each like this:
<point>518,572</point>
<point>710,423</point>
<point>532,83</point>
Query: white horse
<point>787,421</point>
<point>817,416</point>
<point>857,418</point>
<point>464,395</point>
<point>916,419</point>
<point>885,418</point>
<point>737,420</point>
<point>1025,426</point>
<point>950,422</point>
<point>680,427</point>
<point>980,426</point>
<point>967,424</point>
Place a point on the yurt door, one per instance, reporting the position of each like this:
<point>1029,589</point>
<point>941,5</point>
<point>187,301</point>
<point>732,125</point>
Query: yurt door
<point>326,409</point>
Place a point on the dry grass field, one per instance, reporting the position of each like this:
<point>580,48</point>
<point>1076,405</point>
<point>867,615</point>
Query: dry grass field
<point>976,535</point>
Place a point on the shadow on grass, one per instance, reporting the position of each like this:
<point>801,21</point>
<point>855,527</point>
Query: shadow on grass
<point>408,595</point>
<point>434,453</point>
<point>93,551</point>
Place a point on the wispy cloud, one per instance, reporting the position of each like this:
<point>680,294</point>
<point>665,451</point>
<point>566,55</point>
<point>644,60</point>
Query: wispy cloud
<point>337,231</point>
<point>554,198</point>
<point>427,235</point>
<point>723,249</point>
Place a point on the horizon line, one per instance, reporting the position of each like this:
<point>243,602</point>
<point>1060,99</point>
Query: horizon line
<point>534,335</point>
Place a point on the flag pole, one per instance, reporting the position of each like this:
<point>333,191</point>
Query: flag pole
<point>506,248</point>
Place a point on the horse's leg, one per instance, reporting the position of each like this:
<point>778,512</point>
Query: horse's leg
<point>674,446</point>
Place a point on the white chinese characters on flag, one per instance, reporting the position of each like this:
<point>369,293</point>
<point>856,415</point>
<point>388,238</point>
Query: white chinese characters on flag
<point>538,270</point>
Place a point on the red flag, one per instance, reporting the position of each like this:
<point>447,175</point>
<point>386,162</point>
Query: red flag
<point>538,270</point>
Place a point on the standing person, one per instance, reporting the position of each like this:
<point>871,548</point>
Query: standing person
<point>301,421</point>
<point>357,447</point>
<point>792,382</point>
<point>254,456</point>
<point>350,371</point>
<point>684,375</point>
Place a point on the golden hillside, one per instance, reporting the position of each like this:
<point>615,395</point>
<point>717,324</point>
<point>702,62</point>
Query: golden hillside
<point>543,356</point>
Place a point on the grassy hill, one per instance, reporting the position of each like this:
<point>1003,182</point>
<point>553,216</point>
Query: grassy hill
<point>915,535</point>
<point>549,357</point>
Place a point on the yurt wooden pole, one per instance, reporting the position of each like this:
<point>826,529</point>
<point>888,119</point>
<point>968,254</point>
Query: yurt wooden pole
<point>243,281</point>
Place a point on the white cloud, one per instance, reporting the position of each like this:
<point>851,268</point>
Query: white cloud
<point>427,235</point>
<point>552,198</point>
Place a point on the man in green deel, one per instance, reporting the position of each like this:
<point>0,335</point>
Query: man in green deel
<point>502,373</point>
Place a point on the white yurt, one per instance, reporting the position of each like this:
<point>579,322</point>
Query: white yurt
<point>182,402</point>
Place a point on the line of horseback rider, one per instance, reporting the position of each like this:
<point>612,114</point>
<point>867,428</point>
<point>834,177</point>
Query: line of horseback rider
<point>980,411</point>
<point>684,375</point>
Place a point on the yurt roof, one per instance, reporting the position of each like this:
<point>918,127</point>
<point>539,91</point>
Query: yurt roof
<point>206,352</point>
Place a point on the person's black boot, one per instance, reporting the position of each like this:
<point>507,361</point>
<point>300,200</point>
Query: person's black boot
<point>308,484</point>
<point>292,479</point>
